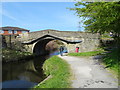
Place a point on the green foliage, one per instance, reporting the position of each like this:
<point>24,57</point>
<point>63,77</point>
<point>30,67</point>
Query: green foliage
<point>112,60</point>
<point>106,37</point>
<point>100,17</point>
<point>59,42</point>
<point>91,53</point>
<point>60,72</point>
<point>13,55</point>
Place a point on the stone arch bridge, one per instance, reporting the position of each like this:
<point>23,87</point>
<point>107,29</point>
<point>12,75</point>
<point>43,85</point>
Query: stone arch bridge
<point>35,42</point>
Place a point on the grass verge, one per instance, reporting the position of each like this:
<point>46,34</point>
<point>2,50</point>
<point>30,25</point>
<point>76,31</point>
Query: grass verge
<point>91,53</point>
<point>60,72</point>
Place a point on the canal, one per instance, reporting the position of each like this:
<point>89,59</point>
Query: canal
<point>23,74</point>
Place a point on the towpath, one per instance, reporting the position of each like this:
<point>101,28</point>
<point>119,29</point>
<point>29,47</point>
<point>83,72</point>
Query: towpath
<point>89,73</point>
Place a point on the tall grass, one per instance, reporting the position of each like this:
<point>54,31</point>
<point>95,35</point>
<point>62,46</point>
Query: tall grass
<point>60,72</point>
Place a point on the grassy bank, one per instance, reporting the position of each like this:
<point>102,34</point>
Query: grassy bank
<point>91,53</point>
<point>60,72</point>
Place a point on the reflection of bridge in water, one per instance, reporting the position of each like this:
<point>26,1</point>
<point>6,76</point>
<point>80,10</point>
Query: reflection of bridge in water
<point>22,73</point>
<point>35,42</point>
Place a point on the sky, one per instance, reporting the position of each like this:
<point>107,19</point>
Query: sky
<point>37,16</point>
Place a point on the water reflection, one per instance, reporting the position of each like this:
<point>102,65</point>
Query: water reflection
<point>58,52</point>
<point>18,84</point>
<point>16,74</point>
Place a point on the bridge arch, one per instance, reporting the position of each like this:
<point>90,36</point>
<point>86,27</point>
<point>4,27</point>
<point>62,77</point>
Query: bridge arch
<point>39,44</point>
<point>42,47</point>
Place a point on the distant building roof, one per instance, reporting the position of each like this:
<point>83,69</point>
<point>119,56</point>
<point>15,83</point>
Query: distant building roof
<point>13,28</point>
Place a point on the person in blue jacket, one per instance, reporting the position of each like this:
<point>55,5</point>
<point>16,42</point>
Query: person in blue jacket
<point>61,50</point>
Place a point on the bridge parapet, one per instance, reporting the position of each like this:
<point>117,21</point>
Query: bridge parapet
<point>89,41</point>
<point>63,34</point>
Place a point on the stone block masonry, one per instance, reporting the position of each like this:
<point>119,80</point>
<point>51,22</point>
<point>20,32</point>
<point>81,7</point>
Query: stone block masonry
<point>90,41</point>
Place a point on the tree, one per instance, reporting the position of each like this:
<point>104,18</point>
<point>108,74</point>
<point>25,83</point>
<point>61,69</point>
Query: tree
<point>100,17</point>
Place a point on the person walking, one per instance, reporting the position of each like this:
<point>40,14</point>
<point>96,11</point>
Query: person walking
<point>61,50</point>
<point>77,49</point>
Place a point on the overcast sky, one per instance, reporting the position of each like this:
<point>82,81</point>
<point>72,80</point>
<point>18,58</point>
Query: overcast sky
<point>40,15</point>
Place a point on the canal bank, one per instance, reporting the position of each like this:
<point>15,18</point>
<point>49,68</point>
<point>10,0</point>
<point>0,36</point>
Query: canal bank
<point>21,70</point>
<point>58,71</point>
<point>29,73</point>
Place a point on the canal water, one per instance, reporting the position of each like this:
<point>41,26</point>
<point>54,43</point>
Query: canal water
<point>23,74</point>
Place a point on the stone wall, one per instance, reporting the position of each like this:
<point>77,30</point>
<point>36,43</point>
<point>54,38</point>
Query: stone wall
<point>11,41</point>
<point>68,34</point>
<point>89,41</point>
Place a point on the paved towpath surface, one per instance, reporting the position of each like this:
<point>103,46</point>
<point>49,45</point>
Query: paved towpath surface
<point>88,73</point>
